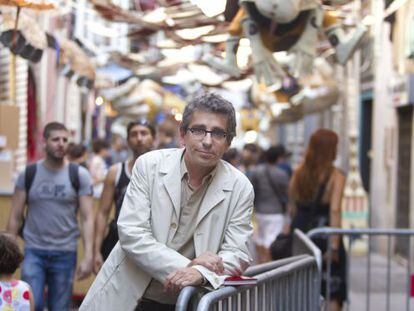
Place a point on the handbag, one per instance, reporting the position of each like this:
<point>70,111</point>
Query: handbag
<point>110,240</point>
<point>281,246</point>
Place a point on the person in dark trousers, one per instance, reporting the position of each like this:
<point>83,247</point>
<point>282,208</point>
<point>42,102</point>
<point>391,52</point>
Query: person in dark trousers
<point>140,139</point>
<point>54,191</point>
<point>270,185</point>
<point>315,197</point>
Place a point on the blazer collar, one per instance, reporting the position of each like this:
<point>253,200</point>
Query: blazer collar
<point>221,183</point>
<point>216,192</point>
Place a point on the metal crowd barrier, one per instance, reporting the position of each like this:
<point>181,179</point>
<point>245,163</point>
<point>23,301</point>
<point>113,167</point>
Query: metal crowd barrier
<point>287,284</point>
<point>354,234</point>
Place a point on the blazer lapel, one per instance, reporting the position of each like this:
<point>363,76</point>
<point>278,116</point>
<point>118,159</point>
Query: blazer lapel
<point>216,192</point>
<point>172,178</point>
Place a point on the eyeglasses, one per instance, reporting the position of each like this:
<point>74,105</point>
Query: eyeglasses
<point>200,133</point>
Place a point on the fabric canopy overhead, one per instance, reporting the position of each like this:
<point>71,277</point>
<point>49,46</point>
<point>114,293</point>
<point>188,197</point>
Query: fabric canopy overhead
<point>28,4</point>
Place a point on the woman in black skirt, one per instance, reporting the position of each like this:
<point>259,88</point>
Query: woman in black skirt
<point>316,193</point>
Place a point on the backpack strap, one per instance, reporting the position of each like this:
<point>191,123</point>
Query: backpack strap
<point>74,176</point>
<point>29,176</point>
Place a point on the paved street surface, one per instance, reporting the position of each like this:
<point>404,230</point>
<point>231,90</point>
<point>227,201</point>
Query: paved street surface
<point>378,297</point>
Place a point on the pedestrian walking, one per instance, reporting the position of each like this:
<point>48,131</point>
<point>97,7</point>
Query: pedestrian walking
<point>250,156</point>
<point>316,192</point>
<point>78,153</point>
<point>283,159</point>
<point>270,185</point>
<point>140,139</point>
<point>185,220</point>
<point>118,152</point>
<point>166,134</point>
<point>97,165</point>
<point>54,191</point>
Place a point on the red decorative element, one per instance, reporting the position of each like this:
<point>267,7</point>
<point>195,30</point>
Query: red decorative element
<point>31,118</point>
<point>239,280</point>
<point>7,296</point>
<point>26,295</point>
<point>412,285</point>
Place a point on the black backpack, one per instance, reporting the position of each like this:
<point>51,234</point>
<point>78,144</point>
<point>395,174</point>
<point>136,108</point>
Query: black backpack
<point>30,173</point>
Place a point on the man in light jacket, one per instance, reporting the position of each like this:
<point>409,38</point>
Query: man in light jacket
<point>185,219</point>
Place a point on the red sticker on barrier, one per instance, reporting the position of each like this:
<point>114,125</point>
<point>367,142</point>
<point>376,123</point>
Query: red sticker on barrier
<point>412,285</point>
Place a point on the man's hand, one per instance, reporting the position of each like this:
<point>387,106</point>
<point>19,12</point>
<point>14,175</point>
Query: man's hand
<point>84,269</point>
<point>209,260</point>
<point>180,278</point>
<point>97,262</point>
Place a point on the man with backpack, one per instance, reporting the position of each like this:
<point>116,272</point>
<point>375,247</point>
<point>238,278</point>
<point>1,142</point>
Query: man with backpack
<point>53,191</point>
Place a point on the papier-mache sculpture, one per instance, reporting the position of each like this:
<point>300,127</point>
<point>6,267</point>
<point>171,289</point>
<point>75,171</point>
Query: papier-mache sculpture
<point>285,25</point>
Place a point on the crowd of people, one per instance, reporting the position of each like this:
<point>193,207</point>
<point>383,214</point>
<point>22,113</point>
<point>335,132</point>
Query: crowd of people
<point>171,231</point>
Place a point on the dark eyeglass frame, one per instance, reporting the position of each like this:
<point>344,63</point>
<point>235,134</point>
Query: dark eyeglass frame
<point>201,133</point>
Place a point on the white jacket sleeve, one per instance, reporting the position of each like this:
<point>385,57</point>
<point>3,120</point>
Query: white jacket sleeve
<point>235,248</point>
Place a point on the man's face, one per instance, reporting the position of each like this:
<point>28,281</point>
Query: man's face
<point>248,157</point>
<point>140,139</point>
<point>205,151</point>
<point>56,145</point>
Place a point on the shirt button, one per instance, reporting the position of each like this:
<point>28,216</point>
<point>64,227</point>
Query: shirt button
<point>173,225</point>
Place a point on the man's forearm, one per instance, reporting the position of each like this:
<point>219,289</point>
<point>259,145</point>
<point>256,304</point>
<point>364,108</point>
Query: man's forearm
<point>14,224</point>
<point>100,225</point>
<point>87,236</point>
<point>17,211</point>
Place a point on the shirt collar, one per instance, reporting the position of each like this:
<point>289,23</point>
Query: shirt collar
<point>184,172</point>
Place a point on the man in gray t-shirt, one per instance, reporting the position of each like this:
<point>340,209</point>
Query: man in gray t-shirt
<point>51,229</point>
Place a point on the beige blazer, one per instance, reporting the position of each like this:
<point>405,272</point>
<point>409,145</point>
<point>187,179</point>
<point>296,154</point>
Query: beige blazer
<point>150,214</point>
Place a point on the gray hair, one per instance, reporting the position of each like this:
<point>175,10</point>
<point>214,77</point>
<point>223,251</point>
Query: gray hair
<point>210,102</point>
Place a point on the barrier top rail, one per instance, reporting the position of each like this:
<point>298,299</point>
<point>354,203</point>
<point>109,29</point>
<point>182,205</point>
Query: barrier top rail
<point>187,292</point>
<point>370,231</point>
<point>185,296</point>
<point>226,292</point>
<point>302,243</point>
<point>302,248</point>
<point>258,269</point>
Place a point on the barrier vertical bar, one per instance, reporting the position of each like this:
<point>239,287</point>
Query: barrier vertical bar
<point>328,274</point>
<point>368,274</point>
<point>300,291</point>
<point>348,268</point>
<point>388,270</point>
<point>409,273</point>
